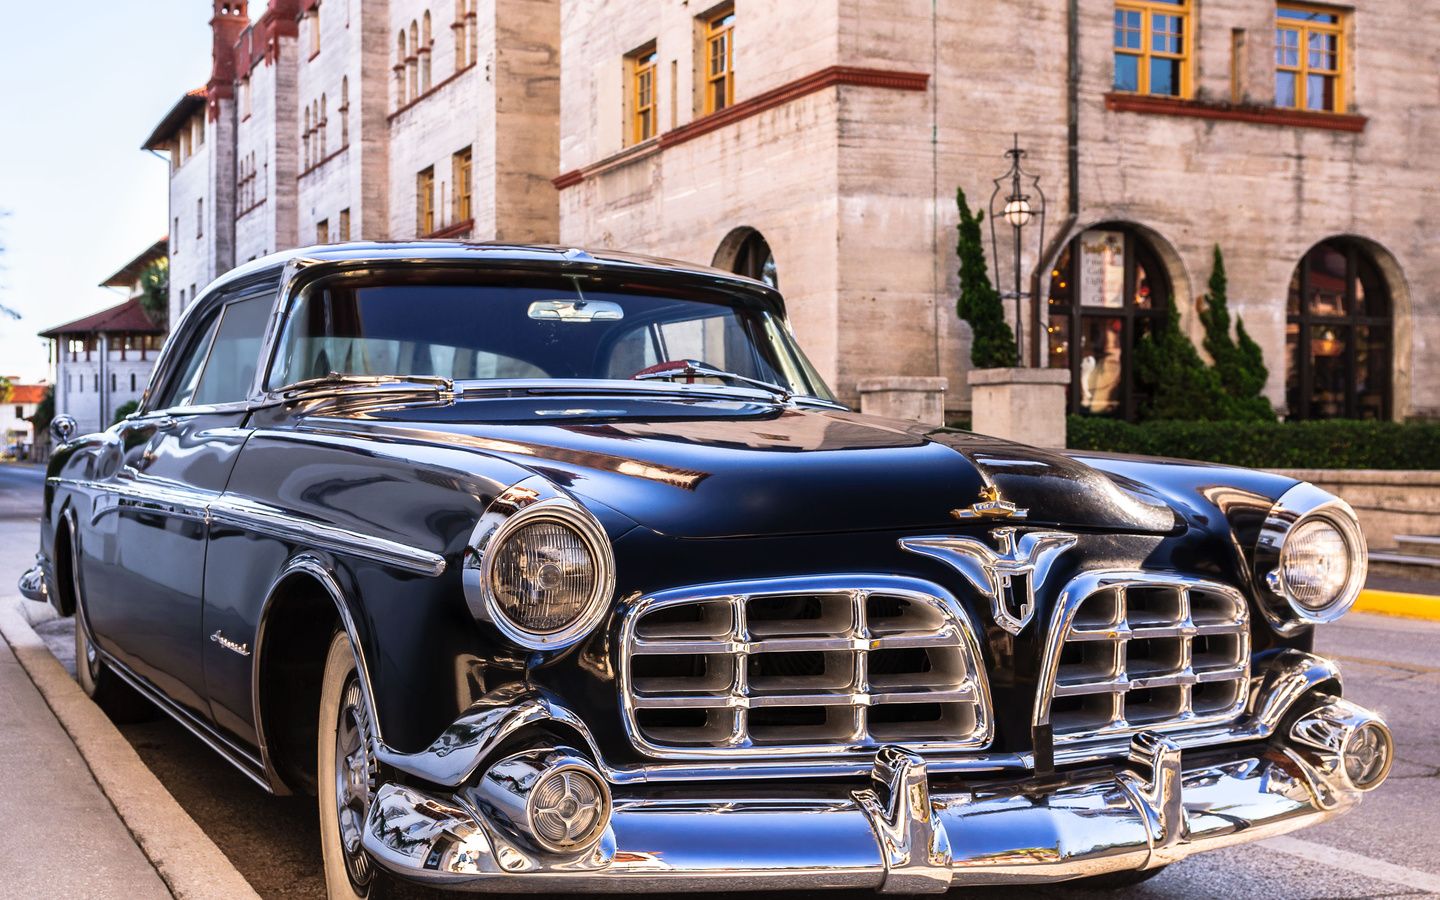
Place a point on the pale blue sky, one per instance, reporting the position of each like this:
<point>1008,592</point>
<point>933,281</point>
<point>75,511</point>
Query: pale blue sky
<point>79,92</point>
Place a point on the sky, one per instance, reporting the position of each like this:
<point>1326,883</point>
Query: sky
<point>78,95</point>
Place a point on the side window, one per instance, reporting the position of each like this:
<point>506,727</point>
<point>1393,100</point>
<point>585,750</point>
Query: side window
<point>182,384</point>
<point>230,367</point>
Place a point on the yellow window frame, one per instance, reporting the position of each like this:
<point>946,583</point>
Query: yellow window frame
<point>425,201</point>
<point>1146,52</point>
<point>720,60</point>
<point>1303,68</point>
<point>642,97</point>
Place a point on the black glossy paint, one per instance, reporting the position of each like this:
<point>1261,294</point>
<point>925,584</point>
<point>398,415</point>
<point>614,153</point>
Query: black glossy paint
<point>690,491</point>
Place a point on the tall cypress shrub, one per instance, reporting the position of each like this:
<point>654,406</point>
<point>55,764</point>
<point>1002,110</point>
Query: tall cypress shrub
<point>992,343</point>
<point>1239,363</point>
<point>1180,385</point>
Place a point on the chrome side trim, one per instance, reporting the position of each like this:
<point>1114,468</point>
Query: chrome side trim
<point>203,506</point>
<point>278,523</point>
<point>1301,502</point>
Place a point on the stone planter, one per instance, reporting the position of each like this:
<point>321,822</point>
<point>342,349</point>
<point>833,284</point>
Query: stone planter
<point>904,397</point>
<point>1022,405</point>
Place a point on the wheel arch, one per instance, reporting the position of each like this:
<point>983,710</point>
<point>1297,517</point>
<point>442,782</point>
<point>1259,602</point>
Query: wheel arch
<point>304,607</point>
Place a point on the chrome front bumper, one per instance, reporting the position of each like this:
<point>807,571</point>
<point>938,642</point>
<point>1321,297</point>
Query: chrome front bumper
<point>900,834</point>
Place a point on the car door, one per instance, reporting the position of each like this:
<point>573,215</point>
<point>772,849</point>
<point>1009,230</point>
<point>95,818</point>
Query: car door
<point>177,458</point>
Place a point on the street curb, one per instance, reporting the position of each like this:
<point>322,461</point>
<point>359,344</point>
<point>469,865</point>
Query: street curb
<point>1393,603</point>
<point>190,864</point>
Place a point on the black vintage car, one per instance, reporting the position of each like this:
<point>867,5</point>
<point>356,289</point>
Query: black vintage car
<point>550,570</point>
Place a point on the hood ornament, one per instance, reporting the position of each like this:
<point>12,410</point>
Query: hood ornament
<point>990,507</point>
<point>1007,577</point>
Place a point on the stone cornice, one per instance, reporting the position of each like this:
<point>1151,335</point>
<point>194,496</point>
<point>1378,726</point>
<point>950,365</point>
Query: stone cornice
<point>785,93</point>
<point>1230,112</point>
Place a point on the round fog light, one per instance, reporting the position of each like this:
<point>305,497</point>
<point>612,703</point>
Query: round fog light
<point>1367,755</point>
<point>568,809</point>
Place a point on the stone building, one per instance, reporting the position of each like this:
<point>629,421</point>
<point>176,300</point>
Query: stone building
<point>104,361</point>
<point>1297,137</point>
<point>819,145</point>
<point>17,434</point>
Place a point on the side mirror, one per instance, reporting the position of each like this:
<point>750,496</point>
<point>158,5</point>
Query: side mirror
<point>63,428</point>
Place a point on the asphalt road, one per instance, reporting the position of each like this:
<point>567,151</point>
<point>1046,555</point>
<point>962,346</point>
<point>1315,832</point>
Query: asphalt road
<point>21,490</point>
<point>1388,848</point>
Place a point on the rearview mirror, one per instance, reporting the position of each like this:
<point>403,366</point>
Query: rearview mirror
<point>576,310</point>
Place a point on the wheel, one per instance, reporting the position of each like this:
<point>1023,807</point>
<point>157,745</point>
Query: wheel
<point>346,778</point>
<point>1114,881</point>
<point>117,699</point>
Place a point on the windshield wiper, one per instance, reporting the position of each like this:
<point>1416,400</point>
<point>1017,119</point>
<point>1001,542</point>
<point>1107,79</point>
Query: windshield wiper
<point>690,368</point>
<point>336,379</point>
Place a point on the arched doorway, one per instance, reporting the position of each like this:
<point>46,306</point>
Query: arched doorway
<point>1107,290</point>
<point>1339,324</point>
<point>746,252</point>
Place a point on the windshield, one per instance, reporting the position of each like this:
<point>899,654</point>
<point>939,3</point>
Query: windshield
<point>534,327</point>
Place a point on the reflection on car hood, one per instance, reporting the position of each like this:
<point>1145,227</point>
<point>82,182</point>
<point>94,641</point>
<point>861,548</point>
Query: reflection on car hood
<point>730,469</point>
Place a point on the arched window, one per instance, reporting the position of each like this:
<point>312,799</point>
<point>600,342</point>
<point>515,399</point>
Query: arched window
<point>746,252</point>
<point>345,111</point>
<point>412,62</point>
<point>424,51</point>
<point>1107,290</point>
<point>322,122</point>
<point>305,138</point>
<point>1338,331</point>
<point>458,30</point>
<point>400,69</point>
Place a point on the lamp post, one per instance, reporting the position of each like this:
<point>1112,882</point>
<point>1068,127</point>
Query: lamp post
<point>1019,209</point>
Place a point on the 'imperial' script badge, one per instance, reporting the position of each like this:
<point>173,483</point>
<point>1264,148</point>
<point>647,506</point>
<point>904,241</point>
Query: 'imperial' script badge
<point>1007,577</point>
<point>990,507</point>
<point>222,640</point>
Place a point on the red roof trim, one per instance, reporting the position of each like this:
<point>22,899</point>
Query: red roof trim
<point>128,316</point>
<point>1228,112</point>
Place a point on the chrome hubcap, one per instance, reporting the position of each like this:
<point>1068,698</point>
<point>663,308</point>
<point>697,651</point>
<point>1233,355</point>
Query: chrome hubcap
<point>354,781</point>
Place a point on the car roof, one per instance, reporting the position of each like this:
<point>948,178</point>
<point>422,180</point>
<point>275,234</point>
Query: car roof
<point>491,253</point>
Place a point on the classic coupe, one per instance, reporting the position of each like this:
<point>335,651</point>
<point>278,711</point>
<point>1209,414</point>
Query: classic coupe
<point>553,570</point>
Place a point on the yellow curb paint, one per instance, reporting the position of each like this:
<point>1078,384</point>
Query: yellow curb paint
<point>1392,603</point>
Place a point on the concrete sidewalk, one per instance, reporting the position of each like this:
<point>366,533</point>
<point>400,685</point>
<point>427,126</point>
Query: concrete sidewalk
<point>82,816</point>
<point>59,835</point>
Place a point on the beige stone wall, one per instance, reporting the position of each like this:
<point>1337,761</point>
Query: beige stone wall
<point>876,284</point>
<point>194,253</point>
<point>268,137</point>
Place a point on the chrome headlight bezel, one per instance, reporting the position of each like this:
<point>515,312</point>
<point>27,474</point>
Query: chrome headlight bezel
<point>531,501</point>
<point>1301,504</point>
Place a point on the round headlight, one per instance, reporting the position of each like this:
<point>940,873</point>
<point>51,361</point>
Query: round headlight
<point>1311,555</point>
<point>538,567</point>
<point>1315,564</point>
<point>543,576</point>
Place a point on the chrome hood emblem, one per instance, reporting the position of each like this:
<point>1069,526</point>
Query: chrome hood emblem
<point>991,506</point>
<point>1007,577</point>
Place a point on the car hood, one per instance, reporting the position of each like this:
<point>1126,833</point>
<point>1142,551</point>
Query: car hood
<point>749,469</point>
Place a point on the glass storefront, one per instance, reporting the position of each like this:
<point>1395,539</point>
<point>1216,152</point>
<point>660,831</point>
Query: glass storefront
<point>1107,290</point>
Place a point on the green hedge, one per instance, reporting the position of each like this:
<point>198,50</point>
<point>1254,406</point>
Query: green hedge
<point>1332,444</point>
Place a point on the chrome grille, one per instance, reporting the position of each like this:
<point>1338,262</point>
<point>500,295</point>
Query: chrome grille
<point>797,666</point>
<point>1139,651</point>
